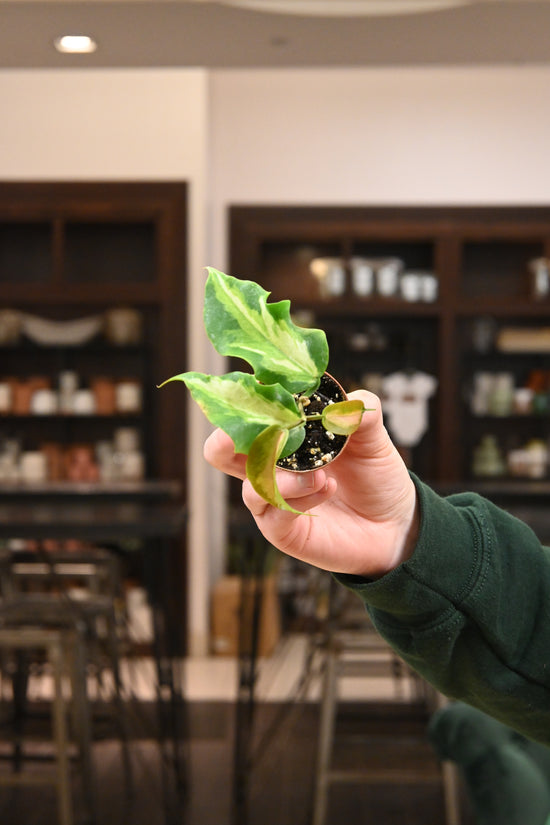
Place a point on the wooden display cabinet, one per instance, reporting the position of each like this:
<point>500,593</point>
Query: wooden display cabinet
<point>481,258</point>
<point>73,251</point>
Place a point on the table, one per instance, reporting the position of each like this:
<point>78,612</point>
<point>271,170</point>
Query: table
<point>152,512</point>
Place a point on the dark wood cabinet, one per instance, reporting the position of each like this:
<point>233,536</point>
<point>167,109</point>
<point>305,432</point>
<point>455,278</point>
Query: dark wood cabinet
<point>483,261</point>
<point>71,255</point>
<point>76,251</point>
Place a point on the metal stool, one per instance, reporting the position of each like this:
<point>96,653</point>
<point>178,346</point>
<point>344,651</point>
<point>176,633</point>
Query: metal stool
<point>92,615</point>
<point>353,649</point>
<point>64,650</point>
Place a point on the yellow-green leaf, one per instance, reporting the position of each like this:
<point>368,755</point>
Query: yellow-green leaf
<point>344,417</point>
<point>261,463</point>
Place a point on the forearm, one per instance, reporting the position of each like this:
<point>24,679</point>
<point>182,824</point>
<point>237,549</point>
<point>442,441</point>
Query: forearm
<point>470,610</point>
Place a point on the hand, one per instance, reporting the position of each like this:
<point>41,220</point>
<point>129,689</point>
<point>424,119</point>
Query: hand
<point>364,515</point>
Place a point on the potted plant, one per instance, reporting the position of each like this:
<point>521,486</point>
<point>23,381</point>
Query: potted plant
<point>289,412</point>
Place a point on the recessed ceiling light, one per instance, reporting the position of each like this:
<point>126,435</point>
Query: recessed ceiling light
<point>75,44</point>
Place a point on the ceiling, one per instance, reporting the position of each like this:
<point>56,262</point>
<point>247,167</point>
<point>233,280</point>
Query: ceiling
<point>155,33</point>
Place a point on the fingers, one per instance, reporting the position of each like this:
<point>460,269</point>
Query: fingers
<point>219,451</point>
<point>302,491</point>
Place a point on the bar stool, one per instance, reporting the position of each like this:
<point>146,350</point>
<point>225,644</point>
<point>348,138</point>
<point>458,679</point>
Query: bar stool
<point>91,616</point>
<point>64,650</point>
<point>352,649</point>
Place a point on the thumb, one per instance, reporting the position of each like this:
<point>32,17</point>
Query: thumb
<point>371,439</point>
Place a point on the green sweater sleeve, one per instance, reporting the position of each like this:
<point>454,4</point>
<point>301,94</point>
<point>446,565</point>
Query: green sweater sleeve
<point>470,610</point>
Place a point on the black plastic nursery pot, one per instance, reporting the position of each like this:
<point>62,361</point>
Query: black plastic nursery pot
<point>319,447</point>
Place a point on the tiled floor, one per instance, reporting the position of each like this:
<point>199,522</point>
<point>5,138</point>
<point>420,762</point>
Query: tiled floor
<point>281,776</point>
<point>216,678</point>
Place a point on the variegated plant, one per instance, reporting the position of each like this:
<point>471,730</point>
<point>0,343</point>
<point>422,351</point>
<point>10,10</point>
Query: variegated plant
<point>265,412</point>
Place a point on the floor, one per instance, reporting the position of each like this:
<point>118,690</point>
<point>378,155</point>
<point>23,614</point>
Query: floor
<point>277,788</point>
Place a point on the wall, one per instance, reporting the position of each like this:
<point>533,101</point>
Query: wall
<point>384,136</point>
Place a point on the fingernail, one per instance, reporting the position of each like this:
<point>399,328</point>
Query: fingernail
<point>307,480</point>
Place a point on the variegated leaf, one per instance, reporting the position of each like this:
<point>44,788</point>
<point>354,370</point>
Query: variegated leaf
<point>242,407</point>
<point>261,463</point>
<point>240,323</point>
<point>343,417</point>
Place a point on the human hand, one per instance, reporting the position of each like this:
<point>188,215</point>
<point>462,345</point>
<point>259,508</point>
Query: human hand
<point>364,515</point>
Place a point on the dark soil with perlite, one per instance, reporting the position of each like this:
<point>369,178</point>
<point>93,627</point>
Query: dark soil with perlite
<point>319,447</point>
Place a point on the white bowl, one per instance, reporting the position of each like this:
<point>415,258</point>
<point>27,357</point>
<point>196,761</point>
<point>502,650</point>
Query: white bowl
<point>61,333</point>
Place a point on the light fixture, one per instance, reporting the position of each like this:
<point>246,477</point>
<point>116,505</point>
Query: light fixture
<point>346,8</point>
<point>75,44</point>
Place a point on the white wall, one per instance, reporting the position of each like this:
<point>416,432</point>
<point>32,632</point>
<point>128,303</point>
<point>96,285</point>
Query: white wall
<point>379,136</point>
<point>376,136</point>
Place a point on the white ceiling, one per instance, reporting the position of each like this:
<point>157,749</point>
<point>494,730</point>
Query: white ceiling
<point>155,33</point>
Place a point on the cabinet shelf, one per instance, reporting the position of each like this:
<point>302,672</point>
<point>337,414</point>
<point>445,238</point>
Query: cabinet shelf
<point>502,308</point>
<point>70,417</point>
<point>506,420</point>
<point>364,307</point>
<point>83,295</point>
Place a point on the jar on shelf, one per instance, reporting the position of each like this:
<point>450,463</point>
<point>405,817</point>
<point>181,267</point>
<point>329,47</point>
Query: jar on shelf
<point>388,274</point>
<point>539,269</point>
<point>501,399</point>
<point>104,395</point>
<point>331,276</point>
<point>488,459</point>
<point>483,383</point>
<point>34,467</point>
<point>537,452</point>
<point>523,400</point>
<point>362,276</point>
<point>123,326</point>
<point>128,397</point>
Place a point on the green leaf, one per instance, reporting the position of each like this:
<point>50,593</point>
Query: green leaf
<point>240,323</point>
<point>295,440</point>
<point>343,417</point>
<point>261,463</point>
<point>241,406</point>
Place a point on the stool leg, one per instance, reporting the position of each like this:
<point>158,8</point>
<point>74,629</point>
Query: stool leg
<point>20,682</point>
<point>81,709</point>
<point>119,704</point>
<point>326,735</point>
<point>61,738</point>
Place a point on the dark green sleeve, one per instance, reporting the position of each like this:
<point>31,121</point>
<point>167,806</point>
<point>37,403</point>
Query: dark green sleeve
<point>470,610</point>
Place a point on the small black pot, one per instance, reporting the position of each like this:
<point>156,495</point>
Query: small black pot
<point>319,447</point>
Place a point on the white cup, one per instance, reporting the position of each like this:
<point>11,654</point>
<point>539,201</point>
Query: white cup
<point>411,286</point>
<point>429,287</point>
<point>132,466</point>
<point>387,276</point>
<point>126,439</point>
<point>84,402</point>
<point>128,397</point>
<point>44,402</point>
<point>34,466</point>
<point>362,277</point>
